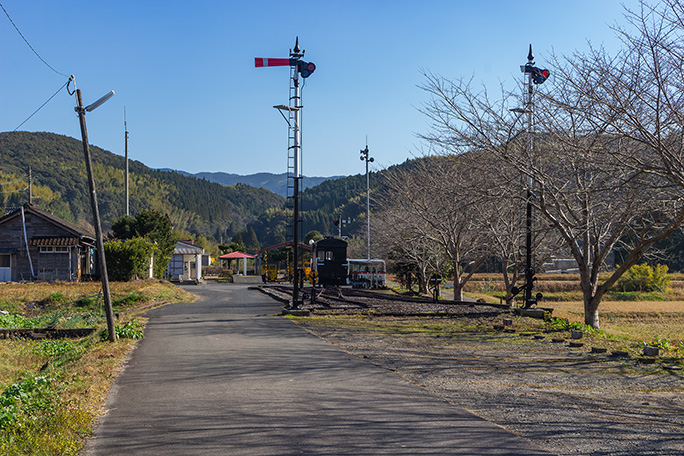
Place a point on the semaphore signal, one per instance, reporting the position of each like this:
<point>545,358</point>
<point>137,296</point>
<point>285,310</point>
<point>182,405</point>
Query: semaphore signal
<point>298,68</point>
<point>303,68</point>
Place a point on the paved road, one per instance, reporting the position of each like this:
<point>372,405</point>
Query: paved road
<point>227,376</point>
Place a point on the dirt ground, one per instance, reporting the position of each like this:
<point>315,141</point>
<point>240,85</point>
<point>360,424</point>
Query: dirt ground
<point>567,400</point>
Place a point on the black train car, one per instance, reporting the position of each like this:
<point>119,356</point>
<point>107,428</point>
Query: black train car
<point>329,261</point>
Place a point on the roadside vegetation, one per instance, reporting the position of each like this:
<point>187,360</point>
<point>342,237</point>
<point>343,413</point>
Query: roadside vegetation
<point>51,391</point>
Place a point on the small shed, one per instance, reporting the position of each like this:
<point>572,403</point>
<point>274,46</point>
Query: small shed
<point>237,255</point>
<point>185,263</point>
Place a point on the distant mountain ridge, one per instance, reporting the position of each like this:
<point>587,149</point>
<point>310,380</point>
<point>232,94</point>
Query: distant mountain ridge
<point>276,183</point>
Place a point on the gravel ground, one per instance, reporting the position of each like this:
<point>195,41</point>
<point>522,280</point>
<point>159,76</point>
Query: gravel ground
<point>567,400</point>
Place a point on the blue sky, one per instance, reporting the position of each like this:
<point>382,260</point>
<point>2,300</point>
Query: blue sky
<point>194,101</point>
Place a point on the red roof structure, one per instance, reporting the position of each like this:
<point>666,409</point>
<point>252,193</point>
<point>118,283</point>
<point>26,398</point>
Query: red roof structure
<point>237,255</point>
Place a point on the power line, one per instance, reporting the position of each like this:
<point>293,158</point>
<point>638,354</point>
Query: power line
<point>13,191</point>
<point>12,182</point>
<point>41,106</point>
<point>29,44</point>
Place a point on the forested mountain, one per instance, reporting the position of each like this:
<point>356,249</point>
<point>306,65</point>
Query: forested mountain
<point>60,185</point>
<point>194,205</point>
<point>277,183</point>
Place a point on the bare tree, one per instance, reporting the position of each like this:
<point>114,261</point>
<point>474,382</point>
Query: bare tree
<point>398,241</point>
<point>442,211</point>
<point>598,171</point>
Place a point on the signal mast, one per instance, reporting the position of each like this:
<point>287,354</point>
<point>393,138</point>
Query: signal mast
<point>298,68</point>
<point>535,76</point>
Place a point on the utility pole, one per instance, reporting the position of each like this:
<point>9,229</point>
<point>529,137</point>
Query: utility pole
<point>96,214</point>
<point>365,156</point>
<point>30,189</point>
<point>126,154</point>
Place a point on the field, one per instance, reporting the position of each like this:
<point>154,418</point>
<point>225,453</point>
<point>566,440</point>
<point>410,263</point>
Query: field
<point>635,316</point>
<point>52,390</point>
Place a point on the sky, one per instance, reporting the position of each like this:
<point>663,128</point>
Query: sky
<point>184,72</point>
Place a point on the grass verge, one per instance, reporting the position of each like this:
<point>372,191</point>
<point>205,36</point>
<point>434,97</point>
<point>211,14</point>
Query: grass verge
<point>52,390</point>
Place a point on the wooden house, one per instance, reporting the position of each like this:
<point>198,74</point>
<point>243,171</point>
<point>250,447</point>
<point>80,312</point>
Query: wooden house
<point>35,245</point>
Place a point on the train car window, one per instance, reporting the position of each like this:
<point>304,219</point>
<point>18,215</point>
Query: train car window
<point>329,255</point>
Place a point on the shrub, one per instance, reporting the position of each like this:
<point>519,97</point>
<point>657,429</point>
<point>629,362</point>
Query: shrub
<point>637,296</point>
<point>128,259</point>
<point>642,277</point>
<point>565,324</point>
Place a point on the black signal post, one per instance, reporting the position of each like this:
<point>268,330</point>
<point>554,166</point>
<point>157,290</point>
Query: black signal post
<point>535,76</point>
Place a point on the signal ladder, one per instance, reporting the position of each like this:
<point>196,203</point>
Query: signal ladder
<point>293,148</point>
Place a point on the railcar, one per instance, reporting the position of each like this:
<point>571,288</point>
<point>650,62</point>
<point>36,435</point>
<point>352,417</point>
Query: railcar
<point>366,273</point>
<point>329,261</point>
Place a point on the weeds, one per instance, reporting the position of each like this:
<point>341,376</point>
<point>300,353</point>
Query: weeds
<point>565,324</point>
<point>131,300</point>
<point>30,397</point>
<point>53,348</point>
<point>664,344</point>
<point>47,408</point>
<point>131,330</point>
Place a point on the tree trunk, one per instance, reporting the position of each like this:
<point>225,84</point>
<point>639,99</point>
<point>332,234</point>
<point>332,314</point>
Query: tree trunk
<point>591,313</point>
<point>422,284</point>
<point>458,286</point>
<point>458,292</point>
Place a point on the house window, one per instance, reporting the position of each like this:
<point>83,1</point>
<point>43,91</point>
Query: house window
<point>54,249</point>
<point>5,261</point>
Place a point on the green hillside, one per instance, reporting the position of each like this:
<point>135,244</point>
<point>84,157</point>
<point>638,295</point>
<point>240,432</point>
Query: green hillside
<point>194,205</point>
<point>60,185</point>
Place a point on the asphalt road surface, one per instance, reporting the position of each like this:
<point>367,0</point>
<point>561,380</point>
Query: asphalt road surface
<point>227,376</point>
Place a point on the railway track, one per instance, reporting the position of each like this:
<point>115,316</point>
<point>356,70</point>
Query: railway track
<point>341,299</point>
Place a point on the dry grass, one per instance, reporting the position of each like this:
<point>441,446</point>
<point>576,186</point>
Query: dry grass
<point>635,320</point>
<point>17,361</point>
<point>632,320</point>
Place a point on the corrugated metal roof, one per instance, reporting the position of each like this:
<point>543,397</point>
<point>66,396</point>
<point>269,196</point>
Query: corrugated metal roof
<point>187,249</point>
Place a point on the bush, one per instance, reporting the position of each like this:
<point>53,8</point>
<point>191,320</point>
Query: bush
<point>642,277</point>
<point>128,259</point>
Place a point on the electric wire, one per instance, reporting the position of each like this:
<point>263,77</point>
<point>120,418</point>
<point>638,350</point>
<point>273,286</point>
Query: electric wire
<point>14,191</point>
<point>41,106</point>
<point>12,182</point>
<point>29,44</point>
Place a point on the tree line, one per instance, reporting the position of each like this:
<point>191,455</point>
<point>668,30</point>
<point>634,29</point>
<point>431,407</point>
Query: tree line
<point>602,161</point>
